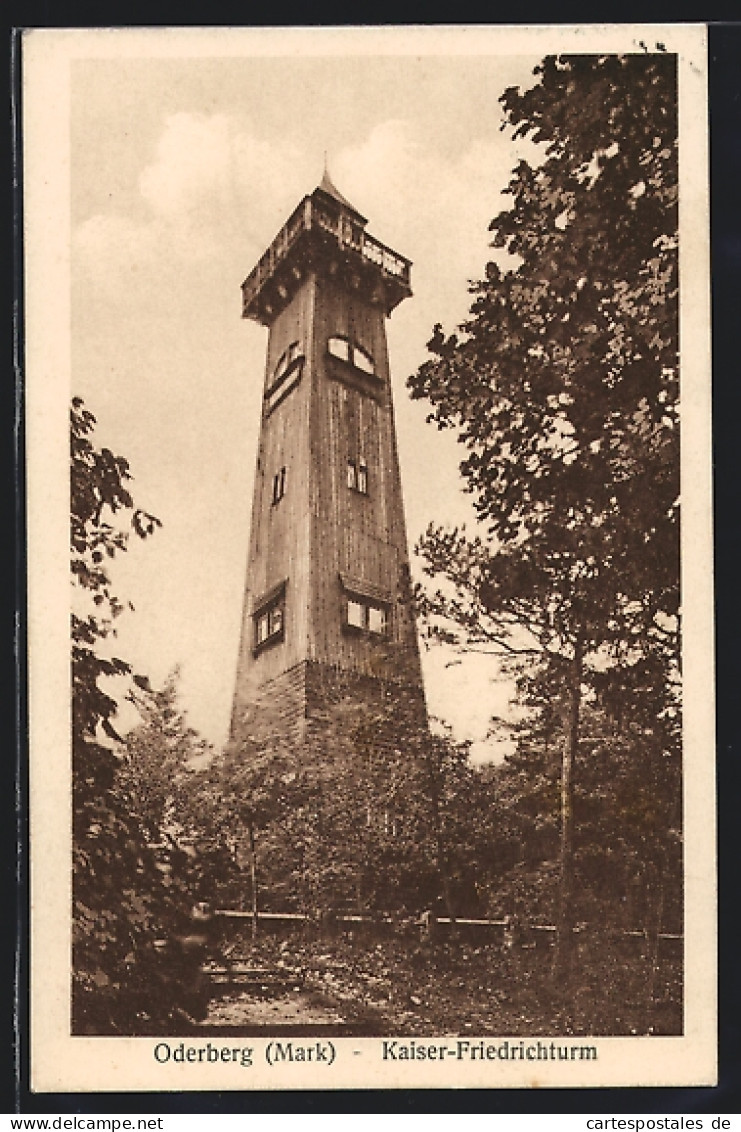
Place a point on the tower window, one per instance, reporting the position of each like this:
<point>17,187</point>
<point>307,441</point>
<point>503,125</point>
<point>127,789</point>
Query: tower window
<point>355,614</point>
<point>362,360</point>
<point>269,618</point>
<point>269,625</point>
<point>366,616</point>
<point>286,360</point>
<point>376,619</point>
<point>357,476</point>
<point>279,485</point>
<point>286,376</point>
<point>339,348</point>
<point>347,351</point>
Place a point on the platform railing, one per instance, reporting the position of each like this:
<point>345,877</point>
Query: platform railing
<point>345,231</point>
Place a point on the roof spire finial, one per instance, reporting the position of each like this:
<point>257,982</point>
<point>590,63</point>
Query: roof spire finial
<point>329,188</point>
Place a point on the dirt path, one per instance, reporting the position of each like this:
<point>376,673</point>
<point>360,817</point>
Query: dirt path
<point>291,1008</point>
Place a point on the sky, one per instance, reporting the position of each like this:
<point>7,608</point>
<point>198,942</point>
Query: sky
<point>182,172</point>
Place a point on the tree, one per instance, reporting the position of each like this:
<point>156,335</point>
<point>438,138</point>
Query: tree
<point>160,762</point>
<point>367,812</point>
<point>121,897</point>
<point>388,810</point>
<point>98,492</point>
<point>563,387</point>
<point>249,786</point>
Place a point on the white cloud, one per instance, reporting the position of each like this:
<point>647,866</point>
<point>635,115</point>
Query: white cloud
<point>214,187</point>
<point>193,160</point>
<point>432,206</point>
<point>208,162</point>
<point>212,191</point>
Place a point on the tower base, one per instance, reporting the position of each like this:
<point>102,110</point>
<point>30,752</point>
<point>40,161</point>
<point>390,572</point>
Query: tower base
<point>312,703</point>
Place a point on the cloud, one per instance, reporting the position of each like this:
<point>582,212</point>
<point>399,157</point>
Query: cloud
<point>212,190</point>
<point>433,206</point>
<point>193,160</point>
<point>210,171</point>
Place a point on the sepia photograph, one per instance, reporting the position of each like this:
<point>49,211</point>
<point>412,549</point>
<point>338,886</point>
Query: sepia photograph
<point>370,563</point>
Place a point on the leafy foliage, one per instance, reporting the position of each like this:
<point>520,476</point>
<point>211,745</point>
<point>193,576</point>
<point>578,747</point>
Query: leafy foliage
<point>563,384</point>
<point>246,790</point>
<point>160,762</point>
<point>122,893</point>
<point>98,482</point>
<point>368,813</point>
<point>563,388</point>
<point>627,806</point>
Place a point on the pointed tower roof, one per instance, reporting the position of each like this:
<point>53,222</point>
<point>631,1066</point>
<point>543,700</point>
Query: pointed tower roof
<point>327,186</point>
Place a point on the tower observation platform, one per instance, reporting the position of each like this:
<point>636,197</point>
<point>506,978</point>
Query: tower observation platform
<point>324,228</point>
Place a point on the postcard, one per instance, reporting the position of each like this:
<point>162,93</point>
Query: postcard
<point>368,459</point>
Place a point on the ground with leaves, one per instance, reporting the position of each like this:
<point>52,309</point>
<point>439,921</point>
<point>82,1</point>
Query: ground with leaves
<point>399,986</point>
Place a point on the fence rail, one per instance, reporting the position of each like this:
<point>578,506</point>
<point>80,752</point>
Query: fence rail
<point>480,928</point>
